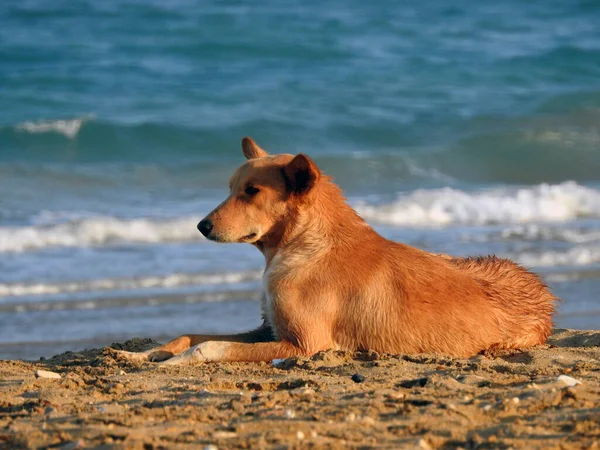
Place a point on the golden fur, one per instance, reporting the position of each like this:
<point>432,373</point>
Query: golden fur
<point>331,281</point>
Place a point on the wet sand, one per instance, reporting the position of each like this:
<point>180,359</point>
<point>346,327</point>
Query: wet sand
<point>331,400</point>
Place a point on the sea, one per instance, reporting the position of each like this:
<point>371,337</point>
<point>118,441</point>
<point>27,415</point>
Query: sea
<point>468,128</point>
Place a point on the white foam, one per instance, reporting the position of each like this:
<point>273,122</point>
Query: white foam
<point>435,207</point>
<point>164,281</point>
<point>536,232</point>
<point>66,127</point>
<point>96,231</point>
<point>576,256</point>
<point>447,206</point>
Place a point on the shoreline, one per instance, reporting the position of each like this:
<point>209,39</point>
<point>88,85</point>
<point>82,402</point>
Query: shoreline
<point>509,399</point>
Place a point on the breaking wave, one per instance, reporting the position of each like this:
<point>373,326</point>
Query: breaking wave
<point>129,301</point>
<point>576,256</point>
<point>98,231</point>
<point>67,127</point>
<point>535,232</point>
<point>117,284</point>
<point>429,208</point>
<point>447,206</point>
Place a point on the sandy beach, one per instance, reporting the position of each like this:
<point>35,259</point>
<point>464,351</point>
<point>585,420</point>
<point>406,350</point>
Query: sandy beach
<point>331,400</point>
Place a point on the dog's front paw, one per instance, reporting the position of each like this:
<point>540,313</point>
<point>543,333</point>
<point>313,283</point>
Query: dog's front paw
<point>190,356</point>
<point>204,352</point>
<point>125,355</point>
<point>159,355</point>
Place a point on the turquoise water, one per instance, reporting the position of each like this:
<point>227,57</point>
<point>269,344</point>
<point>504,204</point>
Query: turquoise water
<point>467,129</point>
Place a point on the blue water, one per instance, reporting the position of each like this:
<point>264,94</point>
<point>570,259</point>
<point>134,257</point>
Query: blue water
<point>470,128</point>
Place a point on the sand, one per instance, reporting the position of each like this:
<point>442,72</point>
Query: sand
<point>331,400</point>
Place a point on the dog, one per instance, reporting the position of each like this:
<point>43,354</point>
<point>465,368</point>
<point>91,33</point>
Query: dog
<point>332,282</point>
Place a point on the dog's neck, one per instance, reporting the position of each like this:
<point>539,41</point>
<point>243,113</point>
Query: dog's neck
<point>318,221</point>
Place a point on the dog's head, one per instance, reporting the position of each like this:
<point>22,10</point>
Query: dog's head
<point>264,193</point>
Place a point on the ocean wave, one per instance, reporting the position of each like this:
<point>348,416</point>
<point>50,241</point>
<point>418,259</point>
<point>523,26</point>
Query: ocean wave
<point>577,274</point>
<point>552,147</point>
<point>526,150</point>
<point>117,284</point>
<point>97,231</point>
<point>129,301</point>
<point>536,232</point>
<point>67,127</point>
<point>424,208</point>
<point>448,206</point>
<point>85,139</point>
<point>576,256</point>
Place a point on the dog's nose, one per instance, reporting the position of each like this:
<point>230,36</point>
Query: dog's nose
<point>205,226</point>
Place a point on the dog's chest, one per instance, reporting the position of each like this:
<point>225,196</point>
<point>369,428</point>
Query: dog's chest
<point>268,302</point>
<point>271,301</point>
<point>281,280</point>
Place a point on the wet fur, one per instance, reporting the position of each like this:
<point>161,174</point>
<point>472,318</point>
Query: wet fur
<point>331,281</point>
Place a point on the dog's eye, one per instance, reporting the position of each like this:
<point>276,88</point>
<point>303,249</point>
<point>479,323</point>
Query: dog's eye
<point>251,190</point>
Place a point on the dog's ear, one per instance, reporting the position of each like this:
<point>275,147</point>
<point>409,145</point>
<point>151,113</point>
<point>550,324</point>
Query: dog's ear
<point>301,174</point>
<point>251,150</point>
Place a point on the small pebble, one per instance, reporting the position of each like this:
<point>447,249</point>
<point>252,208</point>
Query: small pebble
<point>122,372</point>
<point>358,378</point>
<point>515,400</point>
<point>73,445</point>
<point>50,410</point>
<point>368,420</point>
<point>396,395</point>
<point>567,380</point>
<point>46,374</point>
<point>422,443</point>
<point>487,407</point>
<point>300,435</point>
<point>290,414</point>
<point>224,434</point>
<point>278,361</point>
<point>303,391</point>
<point>417,382</point>
<point>211,447</point>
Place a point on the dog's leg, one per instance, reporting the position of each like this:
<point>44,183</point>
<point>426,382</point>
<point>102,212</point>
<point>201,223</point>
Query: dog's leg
<point>224,351</point>
<point>182,343</point>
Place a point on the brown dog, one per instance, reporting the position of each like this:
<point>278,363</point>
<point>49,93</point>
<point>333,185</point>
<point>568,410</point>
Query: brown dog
<point>331,281</point>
